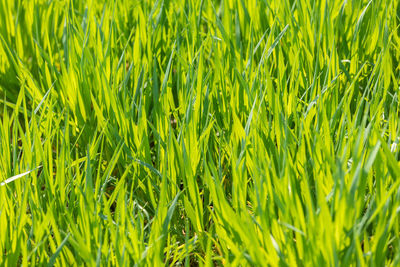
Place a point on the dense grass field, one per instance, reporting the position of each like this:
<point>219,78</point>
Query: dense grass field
<point>199,133</point>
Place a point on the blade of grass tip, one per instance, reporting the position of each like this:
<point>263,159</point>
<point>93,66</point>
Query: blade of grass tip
<point>167,71</point>
<point>147,165</point>
<point>18,176</point>
<point>170,212</point>
<point>44,97</point>
<point>277,40</point>
<point>248,123</point>
<point>55,255</point>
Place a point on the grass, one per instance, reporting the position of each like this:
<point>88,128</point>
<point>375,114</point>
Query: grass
<point>188,132</point>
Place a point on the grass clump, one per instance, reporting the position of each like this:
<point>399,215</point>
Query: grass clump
<point>238,133</point>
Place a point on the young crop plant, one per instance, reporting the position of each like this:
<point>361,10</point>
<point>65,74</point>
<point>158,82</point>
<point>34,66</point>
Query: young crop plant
<point>199,133</point>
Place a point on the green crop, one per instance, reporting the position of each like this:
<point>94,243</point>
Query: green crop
<point>199,133</point>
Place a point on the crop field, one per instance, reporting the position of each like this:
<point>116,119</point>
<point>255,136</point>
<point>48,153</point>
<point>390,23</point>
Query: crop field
<point>199,133</point>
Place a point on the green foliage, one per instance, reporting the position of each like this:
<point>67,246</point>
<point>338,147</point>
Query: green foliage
<point>199,132</point>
